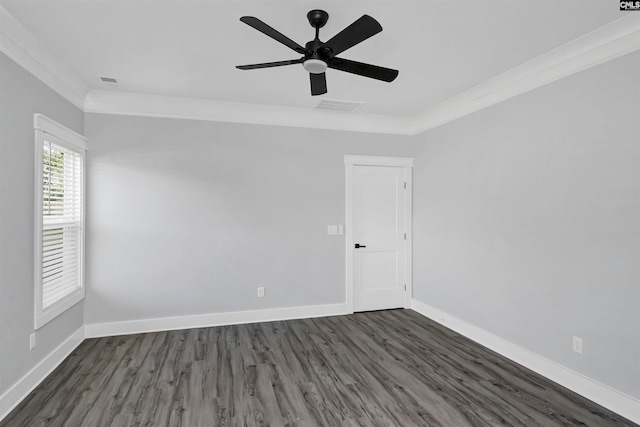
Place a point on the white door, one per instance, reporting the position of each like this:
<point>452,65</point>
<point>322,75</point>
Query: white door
<point>379,237</point>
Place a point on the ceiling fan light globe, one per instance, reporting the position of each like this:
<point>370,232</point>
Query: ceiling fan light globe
<point>315,66</point>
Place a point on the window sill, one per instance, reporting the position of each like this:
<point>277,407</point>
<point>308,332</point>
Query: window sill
<point>58,308</point>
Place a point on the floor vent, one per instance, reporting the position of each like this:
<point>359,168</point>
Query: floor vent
<point>338,105</point>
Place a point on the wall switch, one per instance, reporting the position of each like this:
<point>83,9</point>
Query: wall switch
<point>577,344</point>
<point>341,230</point>
<point>32,341</point>
<point>261,292</point>
<point>332,230</point>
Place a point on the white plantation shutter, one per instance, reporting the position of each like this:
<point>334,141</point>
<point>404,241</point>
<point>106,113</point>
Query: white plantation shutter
<point>61,222</point>
<point>59,219</point>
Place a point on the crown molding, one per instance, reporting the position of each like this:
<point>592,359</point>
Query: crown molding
<point>608,42</point>
<point>27,51</point>
<point>135,104</point>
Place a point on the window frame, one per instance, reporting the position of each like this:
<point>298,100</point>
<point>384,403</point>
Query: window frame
<point>45,128</point>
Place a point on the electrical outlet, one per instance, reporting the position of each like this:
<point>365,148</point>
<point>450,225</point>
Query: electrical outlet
<point>32,341</point>
<point>261,292</point>
<point>577,344</point>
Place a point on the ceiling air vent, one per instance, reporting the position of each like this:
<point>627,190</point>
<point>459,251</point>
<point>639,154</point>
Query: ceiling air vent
<point>338,105</point>
<point>108,79</point>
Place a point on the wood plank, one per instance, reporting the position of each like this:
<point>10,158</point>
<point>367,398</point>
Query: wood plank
<point>385,368</point>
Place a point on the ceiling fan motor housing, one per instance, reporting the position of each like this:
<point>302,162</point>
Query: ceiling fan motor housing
<point>318,57</point>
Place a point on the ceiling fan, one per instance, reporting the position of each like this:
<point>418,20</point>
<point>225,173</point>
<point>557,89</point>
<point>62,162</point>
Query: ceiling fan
<point>318,55</point>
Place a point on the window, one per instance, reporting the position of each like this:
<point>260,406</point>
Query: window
<point>60,205</point>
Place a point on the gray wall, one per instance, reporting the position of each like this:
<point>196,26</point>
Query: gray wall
<point>527,221</point>
<point>190,217</point>
<point>22,95</point>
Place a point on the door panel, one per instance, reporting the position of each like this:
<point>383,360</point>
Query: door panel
<point>379,214</point>
<point>375,271</point>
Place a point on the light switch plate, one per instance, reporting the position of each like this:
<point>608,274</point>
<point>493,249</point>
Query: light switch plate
<point>332,230</point>
<point>341,230</point>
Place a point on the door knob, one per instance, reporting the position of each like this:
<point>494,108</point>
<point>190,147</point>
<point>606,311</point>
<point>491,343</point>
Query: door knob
<point>358,245</point>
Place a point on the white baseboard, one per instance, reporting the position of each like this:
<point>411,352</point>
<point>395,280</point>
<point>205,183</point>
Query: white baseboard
<point>94,330</point>
<point>603,395</point>
<point>12,397</point>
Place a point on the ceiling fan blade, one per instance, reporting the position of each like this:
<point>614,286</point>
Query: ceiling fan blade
<point>269,64</point>
<point>318,84</point>
<point>359,31</point>
<point>265,29</point>
<point>362,69</point>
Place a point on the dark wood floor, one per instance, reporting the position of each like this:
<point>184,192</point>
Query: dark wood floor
<point>386,368</point>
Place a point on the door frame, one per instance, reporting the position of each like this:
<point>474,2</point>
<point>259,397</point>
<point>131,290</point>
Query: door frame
<point>350,162</point>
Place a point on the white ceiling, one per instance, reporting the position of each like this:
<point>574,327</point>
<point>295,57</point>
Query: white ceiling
<point>189,48</point>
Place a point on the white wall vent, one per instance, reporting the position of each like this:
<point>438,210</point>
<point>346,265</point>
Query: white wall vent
<point>108,79</point>
<point>338,105</point>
